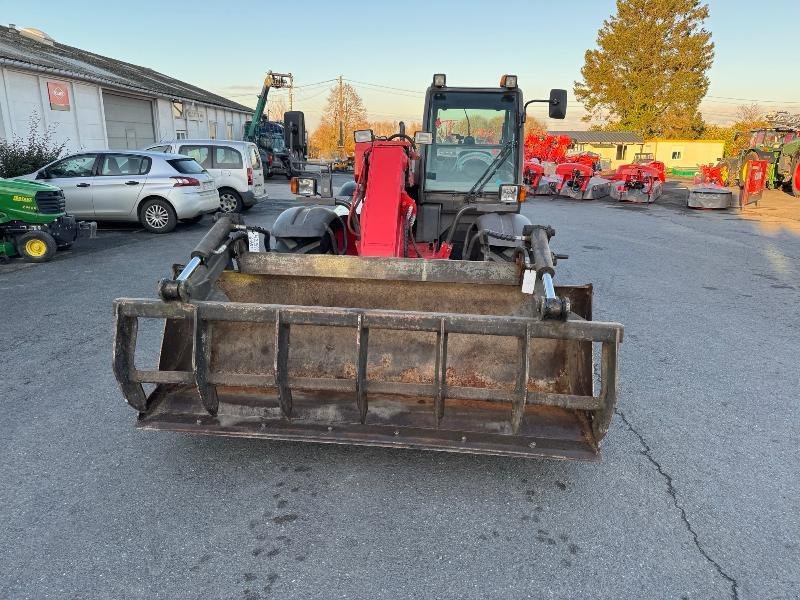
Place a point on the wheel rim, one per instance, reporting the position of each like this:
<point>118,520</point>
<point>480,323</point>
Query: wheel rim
<point>35,248</point>
<point>227,202</point>
<point>156,216</point>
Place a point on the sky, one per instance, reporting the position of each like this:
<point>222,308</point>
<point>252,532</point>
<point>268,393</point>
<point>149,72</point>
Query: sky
<point>389,50</point>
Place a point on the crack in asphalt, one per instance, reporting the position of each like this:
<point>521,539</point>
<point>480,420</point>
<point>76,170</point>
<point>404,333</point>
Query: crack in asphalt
<point>648,453</point>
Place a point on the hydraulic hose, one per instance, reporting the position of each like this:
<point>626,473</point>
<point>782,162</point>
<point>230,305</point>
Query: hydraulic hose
<point>452,231</point>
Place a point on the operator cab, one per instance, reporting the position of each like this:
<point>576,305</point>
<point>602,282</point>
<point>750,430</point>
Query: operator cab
<point>469,131</point>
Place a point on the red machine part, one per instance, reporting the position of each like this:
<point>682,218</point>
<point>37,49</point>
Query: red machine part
<point>547,148</point>
<point>660,168</point>
<point>590,159</point>
<point>384,210</point>
<point>532,174</point>
<point>576,175</point>
<point>755,182</point>
<point>638,177</point>
<point>711,174</point>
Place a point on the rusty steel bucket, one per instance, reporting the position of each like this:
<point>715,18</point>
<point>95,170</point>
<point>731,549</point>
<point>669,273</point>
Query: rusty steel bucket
<point>433,354</point>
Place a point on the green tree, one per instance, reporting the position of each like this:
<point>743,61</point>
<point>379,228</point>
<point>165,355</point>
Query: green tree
<point>648,73</point>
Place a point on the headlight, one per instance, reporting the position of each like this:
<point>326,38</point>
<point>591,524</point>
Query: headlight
<point>508,81</point>
<point>363,135</point>
<point>509,194</point>
<point>423,137</point>
<point>303,186</point>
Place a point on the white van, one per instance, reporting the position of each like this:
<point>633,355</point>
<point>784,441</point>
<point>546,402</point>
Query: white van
<point>235,166</point>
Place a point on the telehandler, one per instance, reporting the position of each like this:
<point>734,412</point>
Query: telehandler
<point>420,312</point>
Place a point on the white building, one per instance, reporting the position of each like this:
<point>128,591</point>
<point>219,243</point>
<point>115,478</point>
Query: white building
<point>95,102</point>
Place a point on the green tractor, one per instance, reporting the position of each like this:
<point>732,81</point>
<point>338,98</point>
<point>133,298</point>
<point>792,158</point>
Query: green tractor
<point>33,222</point>
<point>780,147</point>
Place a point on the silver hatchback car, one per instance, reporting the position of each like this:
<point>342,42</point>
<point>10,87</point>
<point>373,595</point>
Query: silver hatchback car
<point>153,188</point>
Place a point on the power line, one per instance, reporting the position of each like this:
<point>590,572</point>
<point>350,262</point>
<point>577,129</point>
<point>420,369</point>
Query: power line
<point>315,84</point>
<point>755,100</point>
<point>385,87</point>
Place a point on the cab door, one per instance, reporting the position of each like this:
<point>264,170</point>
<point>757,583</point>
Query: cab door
<point>118,185</point>
<point>74,176</point>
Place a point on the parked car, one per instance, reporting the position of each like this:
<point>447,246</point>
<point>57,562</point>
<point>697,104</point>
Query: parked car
<point>235,166</point>
<point>153,188</point>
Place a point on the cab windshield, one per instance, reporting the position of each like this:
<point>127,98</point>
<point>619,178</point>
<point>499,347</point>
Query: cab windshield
<point>469,130</point>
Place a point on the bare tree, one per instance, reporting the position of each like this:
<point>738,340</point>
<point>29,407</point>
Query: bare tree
<point>749,113</point>
<point>275,109</point>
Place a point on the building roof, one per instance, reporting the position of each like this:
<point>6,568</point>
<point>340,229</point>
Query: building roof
<point>49,56</point>
<point>601,137</point>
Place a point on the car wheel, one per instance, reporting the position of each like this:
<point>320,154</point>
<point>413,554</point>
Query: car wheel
<point>229,201</point>
<point>36,246</point>
<point>193,220</point>
<point>157,216</point>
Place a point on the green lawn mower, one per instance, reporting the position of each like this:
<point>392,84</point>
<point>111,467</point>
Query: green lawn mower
<point>34,223</point>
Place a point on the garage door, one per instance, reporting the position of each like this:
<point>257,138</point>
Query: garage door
<point>129,121</point>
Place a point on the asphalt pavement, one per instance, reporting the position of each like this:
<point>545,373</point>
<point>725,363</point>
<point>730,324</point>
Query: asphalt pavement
<point>696,496</point>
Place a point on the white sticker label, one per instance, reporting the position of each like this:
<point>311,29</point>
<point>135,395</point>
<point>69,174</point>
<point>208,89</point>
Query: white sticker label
<point>254,241</point>
<point>528,281</point>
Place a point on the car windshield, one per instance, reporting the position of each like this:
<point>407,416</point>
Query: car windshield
<point>469,130</point>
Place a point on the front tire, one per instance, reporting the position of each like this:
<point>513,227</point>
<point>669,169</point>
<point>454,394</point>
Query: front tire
<point>36,246</point>
<point>230,201</point>
<point>157,216</point>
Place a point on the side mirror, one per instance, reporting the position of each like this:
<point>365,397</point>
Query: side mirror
<point>43,174</point>
<point>558,104</point>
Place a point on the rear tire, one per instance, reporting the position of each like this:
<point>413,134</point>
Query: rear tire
<point>794,177</point>
<point>230,201</point>
<point>157,216</point>
<point>36,246</point>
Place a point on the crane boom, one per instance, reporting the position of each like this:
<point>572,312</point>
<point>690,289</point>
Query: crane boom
<point>272,80</point>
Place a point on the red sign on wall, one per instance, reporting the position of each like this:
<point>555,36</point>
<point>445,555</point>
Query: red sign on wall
<point>59,95</point>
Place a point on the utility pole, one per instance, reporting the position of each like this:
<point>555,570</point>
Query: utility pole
<point>291,91</point>
<point>341,118</point>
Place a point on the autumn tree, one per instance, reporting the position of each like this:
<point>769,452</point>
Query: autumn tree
<point>648,72</point>
<point>387,128</point>
<point>344,106</point>
<point>532,124</point>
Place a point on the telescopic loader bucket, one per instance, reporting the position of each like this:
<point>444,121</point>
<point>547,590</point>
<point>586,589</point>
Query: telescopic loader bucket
<point>433,354</point>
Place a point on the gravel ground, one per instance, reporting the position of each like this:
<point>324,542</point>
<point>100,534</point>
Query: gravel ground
<point>696,496</point>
